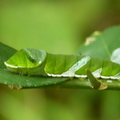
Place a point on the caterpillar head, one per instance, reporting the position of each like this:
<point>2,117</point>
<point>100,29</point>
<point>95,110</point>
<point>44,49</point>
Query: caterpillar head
<point>26,59</point>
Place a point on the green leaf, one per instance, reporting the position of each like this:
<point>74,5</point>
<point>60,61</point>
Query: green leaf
<point>102,44</point>
<point>13,79</point>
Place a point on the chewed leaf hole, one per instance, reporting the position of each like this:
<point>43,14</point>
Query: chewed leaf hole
<point>116,56</point>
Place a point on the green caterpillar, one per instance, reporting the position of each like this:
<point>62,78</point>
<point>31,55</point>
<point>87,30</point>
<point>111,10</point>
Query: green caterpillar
<point>38,62</point>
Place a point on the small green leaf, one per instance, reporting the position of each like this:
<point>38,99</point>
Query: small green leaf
<point>102,44</point>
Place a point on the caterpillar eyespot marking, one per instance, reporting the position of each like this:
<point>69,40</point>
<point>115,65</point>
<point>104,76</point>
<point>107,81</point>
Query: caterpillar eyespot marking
<point>32,59</point>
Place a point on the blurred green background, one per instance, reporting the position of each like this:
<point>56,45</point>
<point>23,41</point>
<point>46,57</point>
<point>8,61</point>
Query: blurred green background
<point>56,26</point>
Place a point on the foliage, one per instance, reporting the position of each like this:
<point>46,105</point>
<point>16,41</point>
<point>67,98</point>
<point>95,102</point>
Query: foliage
<point>104,49</point>
<point>58,26</point>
